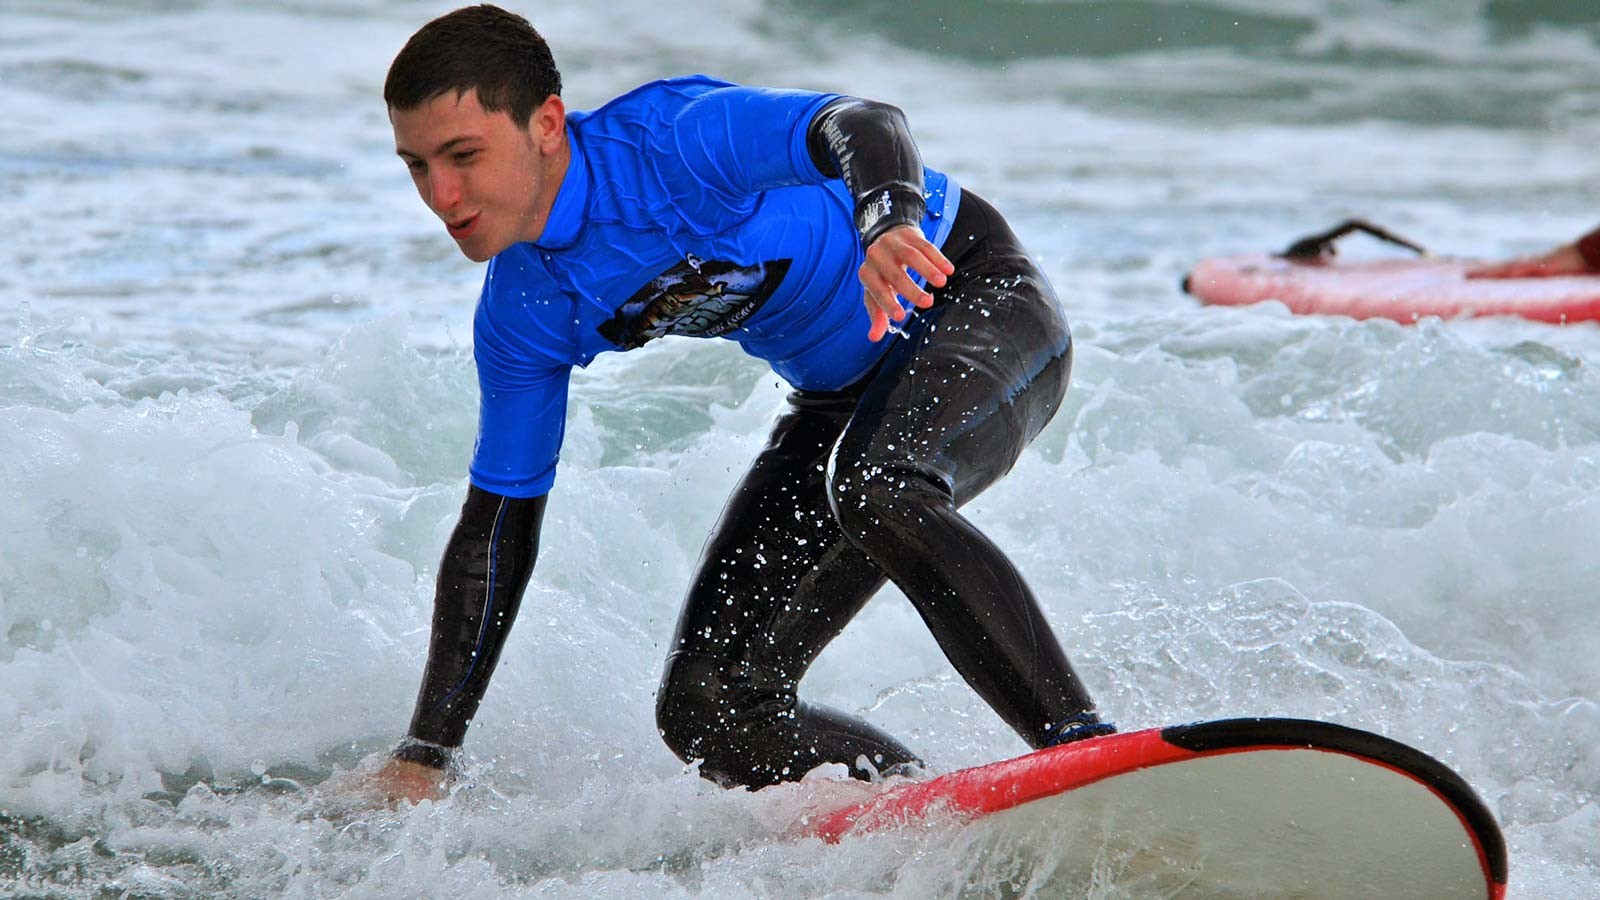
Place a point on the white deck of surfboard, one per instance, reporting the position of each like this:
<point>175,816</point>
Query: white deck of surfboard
<point>1294,824</point>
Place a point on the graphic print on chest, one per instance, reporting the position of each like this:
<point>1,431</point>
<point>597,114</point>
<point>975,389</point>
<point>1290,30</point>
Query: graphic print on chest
<point>696,298</point>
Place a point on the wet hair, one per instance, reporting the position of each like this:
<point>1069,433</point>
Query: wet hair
<point>482,48</point>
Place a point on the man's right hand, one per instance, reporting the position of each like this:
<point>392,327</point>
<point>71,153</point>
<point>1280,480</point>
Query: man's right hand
<point>399,781</point>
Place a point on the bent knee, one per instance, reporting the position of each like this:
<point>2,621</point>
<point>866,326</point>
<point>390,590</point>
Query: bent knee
<point>705,701</point>
<point>683,702</point>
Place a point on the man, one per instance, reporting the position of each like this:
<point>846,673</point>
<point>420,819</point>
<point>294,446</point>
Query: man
<point>695,207</point>
<point>1581,257</point>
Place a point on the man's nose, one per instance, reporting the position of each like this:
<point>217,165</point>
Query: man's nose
<point>444,188</point>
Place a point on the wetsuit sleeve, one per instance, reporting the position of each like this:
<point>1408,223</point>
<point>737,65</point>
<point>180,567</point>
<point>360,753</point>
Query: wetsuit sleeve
<point>482,577</point>
<point>869,145</point>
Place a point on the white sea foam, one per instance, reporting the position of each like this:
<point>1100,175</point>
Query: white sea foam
<point>236,397</point>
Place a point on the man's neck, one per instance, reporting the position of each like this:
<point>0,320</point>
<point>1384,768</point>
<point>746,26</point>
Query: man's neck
<point>555,175</point>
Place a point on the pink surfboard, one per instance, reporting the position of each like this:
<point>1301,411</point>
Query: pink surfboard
<point>1402,290</point>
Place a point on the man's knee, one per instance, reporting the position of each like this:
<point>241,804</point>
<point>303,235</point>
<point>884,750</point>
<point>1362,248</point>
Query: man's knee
<point>707,707</point>
<point>683,702</point>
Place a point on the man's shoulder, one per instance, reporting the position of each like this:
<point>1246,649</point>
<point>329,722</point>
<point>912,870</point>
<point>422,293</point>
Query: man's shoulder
<point>651,97</point>
<point>520,323</point>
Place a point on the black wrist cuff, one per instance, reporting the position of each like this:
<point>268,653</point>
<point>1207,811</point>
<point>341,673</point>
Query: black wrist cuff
<point>424,753</point>
<point>887,207</point>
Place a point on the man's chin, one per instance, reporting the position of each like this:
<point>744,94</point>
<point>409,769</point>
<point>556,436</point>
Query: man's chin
<point>478,251</point>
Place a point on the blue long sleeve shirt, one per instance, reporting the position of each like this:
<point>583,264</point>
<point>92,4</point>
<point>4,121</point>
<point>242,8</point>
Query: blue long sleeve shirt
<point>690,207</point>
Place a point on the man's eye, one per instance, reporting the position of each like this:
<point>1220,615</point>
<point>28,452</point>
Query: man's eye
<point>465,156</point>
<point>416,165</point>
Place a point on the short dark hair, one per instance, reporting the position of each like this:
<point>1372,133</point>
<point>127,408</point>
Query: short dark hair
<point>482,48</point>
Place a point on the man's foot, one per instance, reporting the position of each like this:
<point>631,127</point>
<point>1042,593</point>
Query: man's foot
<point>1080,727</point>
<point>915,770</point>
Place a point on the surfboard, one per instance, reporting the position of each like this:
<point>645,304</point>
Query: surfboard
<point>1251,807</point>
<point>1309,280</point>
<point>1402,290</point>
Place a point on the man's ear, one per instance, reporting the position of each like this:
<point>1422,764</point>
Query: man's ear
<point>548,124</point>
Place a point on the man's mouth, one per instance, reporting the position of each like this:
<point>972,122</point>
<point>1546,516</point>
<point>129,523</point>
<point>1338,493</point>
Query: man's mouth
<point>462,228</point>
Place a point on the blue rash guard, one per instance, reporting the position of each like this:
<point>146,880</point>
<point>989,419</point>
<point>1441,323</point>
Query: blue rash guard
<point>691,206</point>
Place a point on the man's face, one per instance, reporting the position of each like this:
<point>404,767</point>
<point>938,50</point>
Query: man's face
<point>490,182</point>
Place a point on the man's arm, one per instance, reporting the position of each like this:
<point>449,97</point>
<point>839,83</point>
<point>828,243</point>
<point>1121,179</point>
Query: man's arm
<point>482,577</point>
<point>739,141</point>
<point>868,144</point>
<point>490,554</point>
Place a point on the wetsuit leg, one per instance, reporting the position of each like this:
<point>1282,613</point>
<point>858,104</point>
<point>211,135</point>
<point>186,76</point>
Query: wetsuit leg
<point>777,581</point>
<point>971,382</point>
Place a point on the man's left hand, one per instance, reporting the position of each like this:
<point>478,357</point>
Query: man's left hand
<point>885,276</point>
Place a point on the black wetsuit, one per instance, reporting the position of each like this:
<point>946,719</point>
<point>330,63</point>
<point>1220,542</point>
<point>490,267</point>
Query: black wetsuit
<point>862,484</point>
<point>856,486</point>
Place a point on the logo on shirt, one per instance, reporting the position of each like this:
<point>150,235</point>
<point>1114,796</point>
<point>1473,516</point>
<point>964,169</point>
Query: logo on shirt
<point>697,298</point>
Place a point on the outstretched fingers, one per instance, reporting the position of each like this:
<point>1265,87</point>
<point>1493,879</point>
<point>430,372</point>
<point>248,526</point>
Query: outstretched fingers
<point>886,276</point>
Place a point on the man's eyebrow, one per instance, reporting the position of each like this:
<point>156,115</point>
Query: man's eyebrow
<point>441,149</point>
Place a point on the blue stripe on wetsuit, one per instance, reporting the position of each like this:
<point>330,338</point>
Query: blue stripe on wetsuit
<point>488,608</point>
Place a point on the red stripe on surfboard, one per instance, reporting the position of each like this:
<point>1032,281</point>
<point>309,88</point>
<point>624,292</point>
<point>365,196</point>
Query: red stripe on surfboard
<point>1006,784</point>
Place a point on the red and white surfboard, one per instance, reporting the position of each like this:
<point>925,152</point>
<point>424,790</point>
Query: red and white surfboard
<point>1402,290</point>
<point>1243,807</point>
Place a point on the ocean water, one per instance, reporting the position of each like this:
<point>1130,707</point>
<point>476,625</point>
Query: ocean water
<point>237,397</point>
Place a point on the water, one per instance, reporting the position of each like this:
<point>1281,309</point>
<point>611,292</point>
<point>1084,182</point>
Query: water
<point>236,399</point>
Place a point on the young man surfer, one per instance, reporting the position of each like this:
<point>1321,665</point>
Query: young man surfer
<point>696,207</point>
